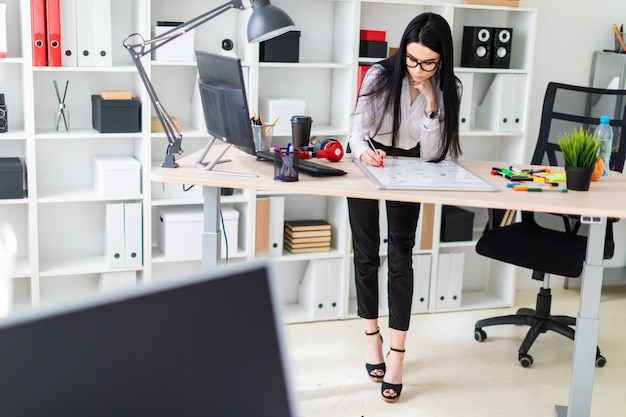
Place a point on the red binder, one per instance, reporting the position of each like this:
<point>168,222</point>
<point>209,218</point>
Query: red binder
<point>360,75</point>
<point>38,26</point>
<point>53,24</point>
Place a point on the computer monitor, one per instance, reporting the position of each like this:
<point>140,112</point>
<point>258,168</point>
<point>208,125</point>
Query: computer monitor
<point>203,346</point>
<point>224,102</point>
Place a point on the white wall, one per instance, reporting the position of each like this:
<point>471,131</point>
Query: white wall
<point>568,32</point>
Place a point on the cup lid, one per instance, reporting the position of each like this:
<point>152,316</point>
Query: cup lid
<point>301,119</point>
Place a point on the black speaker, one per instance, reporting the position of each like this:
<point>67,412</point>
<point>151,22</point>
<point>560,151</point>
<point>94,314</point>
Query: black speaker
<point>477,46</point>
<point>501,51</point>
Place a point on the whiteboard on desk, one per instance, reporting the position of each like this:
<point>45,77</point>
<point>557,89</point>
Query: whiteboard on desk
<point>418,174</point>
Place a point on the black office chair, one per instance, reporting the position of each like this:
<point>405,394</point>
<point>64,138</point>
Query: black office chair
<point>564,107</point>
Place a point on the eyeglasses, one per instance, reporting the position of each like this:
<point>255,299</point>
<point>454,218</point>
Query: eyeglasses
<point>428,66</point>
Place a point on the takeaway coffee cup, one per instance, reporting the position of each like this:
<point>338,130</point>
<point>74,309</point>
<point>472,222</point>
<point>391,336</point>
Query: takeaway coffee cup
<point>300,131</point>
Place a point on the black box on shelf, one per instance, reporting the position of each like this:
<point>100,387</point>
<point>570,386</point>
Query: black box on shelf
<point>115,116</point>
<point>283,48</point>
<point>456,224</point>
<point>372,49</point>
<point>11,178</point>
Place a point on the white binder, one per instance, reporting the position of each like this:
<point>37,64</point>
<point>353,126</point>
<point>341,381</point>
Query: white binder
<point>495,111</point>
<point>421,287</point>
<point>518,99</point>
<point>109,281</point>
<point>320,289</point>
<point>277,225</point>
<point>114,235</point>
<point>68,33</point>
<point>102,33</point>
<point>133,227</point>
<point>196,111</point>
<point>127,279</point>
<point>443,281</point>
<point>115,280</point>
<point>85,33</point>
<point>465,111</point>
<point>455,285</point>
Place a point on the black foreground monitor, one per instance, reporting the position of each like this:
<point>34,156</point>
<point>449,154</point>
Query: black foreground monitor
<point>224,102</point>
<point>205,346</point>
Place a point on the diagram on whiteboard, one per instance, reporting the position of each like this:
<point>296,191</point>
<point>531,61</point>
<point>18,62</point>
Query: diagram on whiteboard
<point>419,174</point>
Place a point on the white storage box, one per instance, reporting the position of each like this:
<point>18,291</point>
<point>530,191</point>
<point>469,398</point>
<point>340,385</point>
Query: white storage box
<point>179,49</point>
<point>180,231</point>
<point>117,175</point>
<point>271,108</point>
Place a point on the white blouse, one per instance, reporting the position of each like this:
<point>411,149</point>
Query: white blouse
<point>415,126</point>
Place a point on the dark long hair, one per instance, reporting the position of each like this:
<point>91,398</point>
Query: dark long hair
<point>432,31</point>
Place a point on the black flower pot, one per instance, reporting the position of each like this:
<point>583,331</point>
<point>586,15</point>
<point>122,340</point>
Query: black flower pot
<point>578,178</point>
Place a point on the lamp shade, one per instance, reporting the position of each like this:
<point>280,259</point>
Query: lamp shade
<point>267,21</point>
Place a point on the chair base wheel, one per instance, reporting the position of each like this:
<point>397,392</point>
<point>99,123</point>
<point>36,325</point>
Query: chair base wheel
<point>480,335</point>
<point>525,360</point>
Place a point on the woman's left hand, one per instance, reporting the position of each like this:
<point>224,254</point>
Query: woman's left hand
<point>425,88</point>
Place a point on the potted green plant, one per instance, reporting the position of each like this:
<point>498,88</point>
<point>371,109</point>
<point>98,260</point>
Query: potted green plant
<point>580,152</point>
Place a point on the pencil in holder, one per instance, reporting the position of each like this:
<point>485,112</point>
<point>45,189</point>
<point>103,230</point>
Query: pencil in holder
<point>262,135</point>
<point>619,46</point>
<point>286,165</point>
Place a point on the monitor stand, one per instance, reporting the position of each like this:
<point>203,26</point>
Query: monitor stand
<point>207,167</point>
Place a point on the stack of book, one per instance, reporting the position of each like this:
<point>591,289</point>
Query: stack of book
<point>307,236</point>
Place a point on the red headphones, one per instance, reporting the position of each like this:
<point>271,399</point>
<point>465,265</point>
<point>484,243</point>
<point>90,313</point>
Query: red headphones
<point>330,148</point>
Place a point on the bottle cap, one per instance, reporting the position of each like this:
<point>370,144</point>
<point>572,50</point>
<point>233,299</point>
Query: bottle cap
<point>605,119</point>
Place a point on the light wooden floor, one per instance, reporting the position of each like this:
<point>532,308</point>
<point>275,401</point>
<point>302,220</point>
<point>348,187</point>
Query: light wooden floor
<point>448,374</point>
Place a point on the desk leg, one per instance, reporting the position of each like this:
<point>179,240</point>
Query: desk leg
<point>212,233</point>
<point>587,324</point>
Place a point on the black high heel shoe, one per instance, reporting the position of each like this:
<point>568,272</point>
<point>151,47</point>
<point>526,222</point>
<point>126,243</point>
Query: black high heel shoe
<point>378,367</point>
<point>396,388</point>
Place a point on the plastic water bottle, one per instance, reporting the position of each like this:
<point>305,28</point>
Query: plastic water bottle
<point>604,132</point>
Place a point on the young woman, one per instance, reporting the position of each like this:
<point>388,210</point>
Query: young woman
<point>408,105</point>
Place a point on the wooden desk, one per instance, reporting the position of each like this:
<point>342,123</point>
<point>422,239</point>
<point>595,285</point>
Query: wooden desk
<point>606,198</point>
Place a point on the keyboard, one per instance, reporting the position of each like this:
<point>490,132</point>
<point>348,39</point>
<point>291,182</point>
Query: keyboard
<point>306,166</point>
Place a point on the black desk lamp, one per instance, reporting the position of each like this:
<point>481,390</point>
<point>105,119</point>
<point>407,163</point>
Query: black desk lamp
<point>266,22</point>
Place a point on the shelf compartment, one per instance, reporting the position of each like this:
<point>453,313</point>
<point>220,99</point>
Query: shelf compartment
<point>13,87</point>
<point>486,283</point>
<point>71,163</point>
<point>323,91</point>
<point>68,288</point>
<point>71,238</point>
<point>194,218</point>
<point>523,22</point>
<point>78,100</point>
<point>16,216</point>
<point>310,290</point>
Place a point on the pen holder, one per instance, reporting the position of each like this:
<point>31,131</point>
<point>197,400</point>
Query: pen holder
<point>262,135</point>
<point>618,44</point>
<point>286,166</point>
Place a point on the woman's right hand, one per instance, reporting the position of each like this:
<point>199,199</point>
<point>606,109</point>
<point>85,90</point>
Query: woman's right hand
<point>369,157</point>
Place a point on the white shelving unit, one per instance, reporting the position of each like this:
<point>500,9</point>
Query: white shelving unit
<point>59,225</point>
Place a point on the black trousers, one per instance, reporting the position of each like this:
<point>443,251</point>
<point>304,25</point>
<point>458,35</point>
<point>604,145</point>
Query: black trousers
<point>401,224</point>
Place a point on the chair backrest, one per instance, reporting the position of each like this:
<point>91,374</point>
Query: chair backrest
<point>569,106</point>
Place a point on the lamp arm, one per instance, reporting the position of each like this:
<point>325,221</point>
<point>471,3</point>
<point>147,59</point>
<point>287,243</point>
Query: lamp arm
<point>138,50</point>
